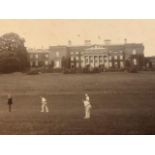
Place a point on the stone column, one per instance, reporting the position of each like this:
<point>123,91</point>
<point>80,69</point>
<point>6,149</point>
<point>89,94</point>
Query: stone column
<point>88,59</point>
<point>107,60</point>
<point>102,60</point>
<point>98,60</point>
<point>93,61</point>
<point>83,62</point>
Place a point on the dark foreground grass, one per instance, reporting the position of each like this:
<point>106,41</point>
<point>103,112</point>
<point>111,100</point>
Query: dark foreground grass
<point>111,114</point>
<point>122,104</point>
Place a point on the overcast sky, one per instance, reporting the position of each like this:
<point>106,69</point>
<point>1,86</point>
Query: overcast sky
<point>42,33</point>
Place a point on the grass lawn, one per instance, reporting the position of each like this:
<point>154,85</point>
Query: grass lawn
<point>123,103</point>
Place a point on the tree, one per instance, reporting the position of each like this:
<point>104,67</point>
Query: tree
<point>127,64</point>
<point>13,53</point>
<point>52,64</point>
<point>65,62</point>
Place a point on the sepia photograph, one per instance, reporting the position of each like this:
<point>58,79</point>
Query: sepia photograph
<point>77,77</point>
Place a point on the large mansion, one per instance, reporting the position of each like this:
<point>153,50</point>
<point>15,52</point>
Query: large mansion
<point>97,55</point>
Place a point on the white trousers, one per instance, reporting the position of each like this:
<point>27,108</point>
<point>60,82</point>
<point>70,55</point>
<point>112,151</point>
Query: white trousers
<point>87,111</point>
<point>44,108</point>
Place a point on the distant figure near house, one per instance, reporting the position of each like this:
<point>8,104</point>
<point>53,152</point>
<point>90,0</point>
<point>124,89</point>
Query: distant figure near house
<point>10,102</point>
<point>44,107</point>
<point>87,106</point>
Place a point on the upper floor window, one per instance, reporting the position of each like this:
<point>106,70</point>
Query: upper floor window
<point>134,52</point>
<point>121,57</point>
<point>72,58</point>
<point>77,58</point>
<point>77,52</point>
<point>115,57</point>
<point>36,56</point>
<point>57,54</point>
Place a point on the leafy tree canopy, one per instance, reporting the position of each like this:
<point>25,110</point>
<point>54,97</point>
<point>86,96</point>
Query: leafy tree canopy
<point>13,53</point>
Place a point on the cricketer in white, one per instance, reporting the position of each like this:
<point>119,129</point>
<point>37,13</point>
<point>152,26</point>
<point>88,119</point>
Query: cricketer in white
<point>87,106</point>
<point>44,107</point>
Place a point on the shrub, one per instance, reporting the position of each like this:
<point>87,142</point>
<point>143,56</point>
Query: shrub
<point>92,70</point>
<point>133,70</point>
<point>96,70</point>
<point>33,72</point>
<point>69,71</point>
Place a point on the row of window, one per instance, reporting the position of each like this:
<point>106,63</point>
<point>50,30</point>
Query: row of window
<point>134,52</point>
<point>46,63</point>
<point>120,51</point>
<point>57,63</point>
<point>116,57</point>
<point>116,64</point>
<point>37,56</point>
<point>36,63</point>
<point>110,64</point>
<point>57,54</point>
<point>77,52</point>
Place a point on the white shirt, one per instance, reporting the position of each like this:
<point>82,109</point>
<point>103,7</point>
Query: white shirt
<point>87,98</point>
<point>86,103</point>
<point>43,100</point>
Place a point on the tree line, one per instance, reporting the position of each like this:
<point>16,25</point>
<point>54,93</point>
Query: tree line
<point>13,53</point>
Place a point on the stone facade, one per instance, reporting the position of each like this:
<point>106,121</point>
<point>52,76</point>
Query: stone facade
<point>38,57</point>
<point>56,54</point>
<point>106,56</point>
<point>95,57</point>
<point>76,55</point>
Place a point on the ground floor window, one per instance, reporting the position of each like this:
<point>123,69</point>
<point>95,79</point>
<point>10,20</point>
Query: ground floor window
<point>46,63</point>
<point>135,61</point>
<point>110,64</point>
<point>57,64</point>
<point>122,64</point>
<point>77,65</point>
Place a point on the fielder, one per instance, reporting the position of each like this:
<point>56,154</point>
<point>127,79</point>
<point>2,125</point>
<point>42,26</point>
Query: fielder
<point>10,102</point>
<point>44,107</point>
<point>87,107</point>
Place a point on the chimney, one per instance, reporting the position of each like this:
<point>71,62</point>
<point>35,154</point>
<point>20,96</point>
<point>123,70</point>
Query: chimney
<point>125,41</point>
<point>69,43</point>
<point>87,42</point>
<point>107,42</point>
